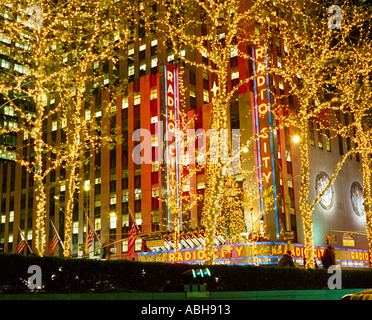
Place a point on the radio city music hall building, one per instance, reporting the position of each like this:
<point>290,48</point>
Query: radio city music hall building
<point>122,188</point>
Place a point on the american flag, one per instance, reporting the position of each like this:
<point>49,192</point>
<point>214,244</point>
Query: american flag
<point>132,238</point>
<point>90,237</point>
<point>53,245</point>
<point>21,246</point>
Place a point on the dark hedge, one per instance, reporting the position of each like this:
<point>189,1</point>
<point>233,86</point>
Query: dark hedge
<point>80,275</point>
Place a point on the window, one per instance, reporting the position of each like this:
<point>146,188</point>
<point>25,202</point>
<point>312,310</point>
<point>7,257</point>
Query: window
<point>312,133</point>
<point>170,57</point>
<point>155,216</point>
<point>97,223</point>
<point>320,137</point>
<point>130,70</point>
<point>137,98</point>
<point>143,66</point>
<point>235,75</point>
<point>348,140</point>
<point>125,220</point>
<point>206,96</point>
<point>279,62</point>
<point>192,92</point>
<point>113,197</point>
<point>125,246</point>
<point>205,74</point>
<point>281,84</point>
<point>124,103</point>
<point>138,245</point>
<point>234,52</point>
<point>340,141</point>
<point>113,221</point>
<point>106,80</point>
<point>9,110</point>
<point>63,123</point>
<point>138,216</point>
<point>21,69</point>
<point>5,39</point>
<point>154,62</point>
<point>4,64</point>
<point>125,195</point>
<point>75,227</point>
<point>328,140</point>
<point>154,93</point>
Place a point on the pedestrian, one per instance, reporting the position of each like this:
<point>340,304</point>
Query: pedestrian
<point>286,260</point>
<point>328,258</point>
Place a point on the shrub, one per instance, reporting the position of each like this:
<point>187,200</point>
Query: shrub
<point>80,275</point>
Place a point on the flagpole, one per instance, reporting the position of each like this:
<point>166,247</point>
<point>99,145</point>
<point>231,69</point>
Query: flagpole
<point>94,230</point>
<point>59,239</point>
<point>133,218</point>
<point>137,230</point>
<point>24,239</point>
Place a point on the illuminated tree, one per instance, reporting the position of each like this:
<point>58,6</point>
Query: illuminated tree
<point>181,195</point>
<point>353,87</point>
<point>54,47</point>
<point>304,73</point>
<point>25,88</point>
<point>210,29</point>
<point>231,216</point>
<point>86,50</point>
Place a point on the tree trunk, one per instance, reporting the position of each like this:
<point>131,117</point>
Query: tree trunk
<point>304,195</point>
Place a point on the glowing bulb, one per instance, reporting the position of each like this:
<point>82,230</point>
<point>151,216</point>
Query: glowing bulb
<point>296,139</point>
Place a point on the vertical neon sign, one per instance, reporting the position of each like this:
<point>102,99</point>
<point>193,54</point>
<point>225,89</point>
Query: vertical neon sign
<point>172,123</point>
<point>264,159</point>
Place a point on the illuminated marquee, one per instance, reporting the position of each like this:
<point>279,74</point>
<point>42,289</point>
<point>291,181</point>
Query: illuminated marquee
<point>264,152</point>
<point>266,252</point>
<point>171,121</point>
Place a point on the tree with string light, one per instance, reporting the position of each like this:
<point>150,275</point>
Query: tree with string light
<point>301,33</point>
<point>231,215</point>
<point>56,48</point>
<point>211,29</point>
<point>34,73</point>
<point>353,97</point>
<point>87,50</point>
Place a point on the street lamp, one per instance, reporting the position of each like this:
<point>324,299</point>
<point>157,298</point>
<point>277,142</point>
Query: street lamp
<point>296,139</point>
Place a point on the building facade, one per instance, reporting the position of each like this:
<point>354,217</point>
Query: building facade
<point>117,190</point>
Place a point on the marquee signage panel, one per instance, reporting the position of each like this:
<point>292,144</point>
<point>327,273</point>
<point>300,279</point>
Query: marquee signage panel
<point>171,90</point>
<point>264,146</point>
<point>267,253</point>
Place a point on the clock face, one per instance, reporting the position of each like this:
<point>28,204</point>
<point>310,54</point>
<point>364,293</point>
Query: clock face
<point>357,199</point>
<point>326,201</point>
